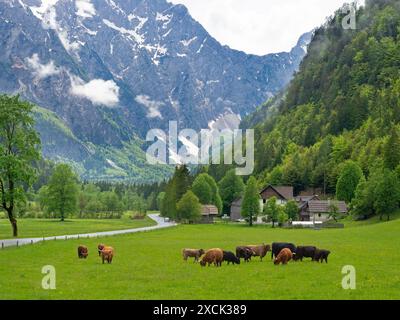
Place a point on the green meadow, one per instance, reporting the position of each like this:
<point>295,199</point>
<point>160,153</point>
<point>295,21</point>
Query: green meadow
<point>32,228</point>
<point>149,266</point>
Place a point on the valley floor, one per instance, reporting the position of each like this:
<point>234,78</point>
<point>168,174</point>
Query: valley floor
<point>150,266</point>
<point>32,228</point>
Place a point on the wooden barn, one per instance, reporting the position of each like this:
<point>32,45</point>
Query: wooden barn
<point>208,213</point>
<point>236,208</point>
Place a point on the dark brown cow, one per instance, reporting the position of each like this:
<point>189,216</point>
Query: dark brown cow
<point>244,253</point>
<point>278,246</point>
<point>100,247</point>
<point>83,252</point>
<point>304,252</point>
<point>231,258</point>
<point>321,255</point>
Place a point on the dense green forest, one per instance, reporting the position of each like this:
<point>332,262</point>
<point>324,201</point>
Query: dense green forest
<point>343,105</point>
<point>335,130</point>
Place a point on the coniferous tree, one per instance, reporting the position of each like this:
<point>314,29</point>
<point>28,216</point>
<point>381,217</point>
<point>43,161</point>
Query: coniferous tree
<point>392,150</point>
<point>387,194</point>
<point>160,200</point>
<point>176,188</point>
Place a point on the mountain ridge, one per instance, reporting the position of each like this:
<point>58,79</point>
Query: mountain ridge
<point>112,70</point>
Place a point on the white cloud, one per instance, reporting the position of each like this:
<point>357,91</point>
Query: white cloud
<point>98,91</point>
<point>85,8</point>
<point>153,107</point>
<point>41,71</point>
<point>260,26</point>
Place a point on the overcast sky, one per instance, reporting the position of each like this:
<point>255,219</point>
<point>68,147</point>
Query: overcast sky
<point>260,26</point>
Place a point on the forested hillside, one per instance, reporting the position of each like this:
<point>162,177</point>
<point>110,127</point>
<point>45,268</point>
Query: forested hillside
<point>343,105</point>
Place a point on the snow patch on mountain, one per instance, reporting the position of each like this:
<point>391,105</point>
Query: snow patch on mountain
<point>187,43</point>
<point>139,39</point>
<point>48,15</point>
<point>162,17</point>
<point>85,8</point>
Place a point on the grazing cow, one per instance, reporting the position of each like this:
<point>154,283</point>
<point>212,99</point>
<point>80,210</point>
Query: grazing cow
<point>260,251</point>
<point>214,256</point>
<point>304,252</point>
<point>277,247</point>
<point>230,258</point>
<point>244,253</point>
<point>83,252</point>
<point>192,253</point>
<point>284,256</point>
<point>107,254</point>
<point>321,255</point>
<point>100,247</point>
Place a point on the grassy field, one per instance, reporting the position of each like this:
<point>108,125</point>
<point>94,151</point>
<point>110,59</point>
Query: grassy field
<point>150,266</point>
<point>46,227</point>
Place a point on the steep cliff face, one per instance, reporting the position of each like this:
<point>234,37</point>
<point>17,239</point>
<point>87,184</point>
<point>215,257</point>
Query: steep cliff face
<point>111,70</point>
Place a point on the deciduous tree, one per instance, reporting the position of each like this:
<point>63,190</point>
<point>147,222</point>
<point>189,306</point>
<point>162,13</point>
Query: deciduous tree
<point>251,201</point>
<point>62,191</point>
<point>189,207</point>
<point>19,148</point>
<point>348,181</point>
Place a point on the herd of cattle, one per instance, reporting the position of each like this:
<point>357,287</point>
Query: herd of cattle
<point>105,252</point>
<point>282,253</point>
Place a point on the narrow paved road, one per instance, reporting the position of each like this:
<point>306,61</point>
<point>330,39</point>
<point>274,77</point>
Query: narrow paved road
<point>161,224</point>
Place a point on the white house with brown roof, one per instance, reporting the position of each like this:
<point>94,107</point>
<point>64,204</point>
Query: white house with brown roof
<point>317,210</point>
<point>283,194</point>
